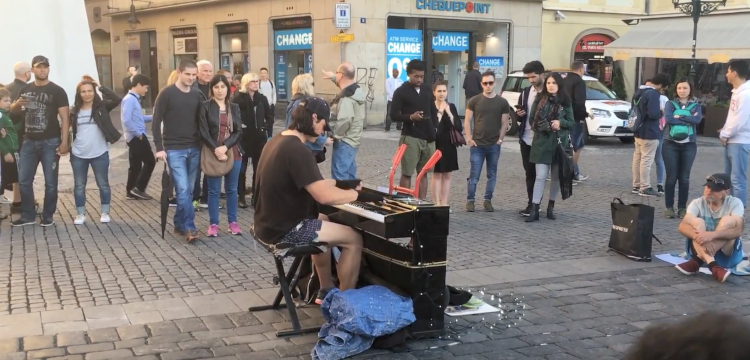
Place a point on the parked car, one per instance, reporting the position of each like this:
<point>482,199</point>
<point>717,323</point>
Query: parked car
<point>610,114</point>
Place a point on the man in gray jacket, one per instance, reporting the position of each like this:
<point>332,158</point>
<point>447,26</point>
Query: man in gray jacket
<point>348,118</point>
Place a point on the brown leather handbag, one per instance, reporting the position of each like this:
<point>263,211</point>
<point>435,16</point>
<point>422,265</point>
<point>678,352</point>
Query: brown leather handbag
<point>210,165</point>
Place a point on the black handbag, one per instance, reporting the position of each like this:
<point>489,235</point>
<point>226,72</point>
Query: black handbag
<point>632,230</point>
<point>566,167</point>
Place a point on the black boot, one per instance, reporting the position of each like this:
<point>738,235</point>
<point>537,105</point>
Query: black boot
<point>534,214</point>
<point>551,210</point>
<point>526,211</point>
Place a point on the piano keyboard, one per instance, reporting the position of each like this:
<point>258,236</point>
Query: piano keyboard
<point>375,211</point>
<point>358,209</point>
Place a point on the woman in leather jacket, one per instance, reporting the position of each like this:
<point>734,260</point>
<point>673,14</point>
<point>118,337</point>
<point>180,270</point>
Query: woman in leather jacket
<point>91,133</point>
<point>257,118</point>
<point>220,125</point>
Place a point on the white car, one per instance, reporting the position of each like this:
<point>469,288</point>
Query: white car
<point>609,113</point>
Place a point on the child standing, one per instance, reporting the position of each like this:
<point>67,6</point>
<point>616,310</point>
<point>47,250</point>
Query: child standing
<point>8,147</point>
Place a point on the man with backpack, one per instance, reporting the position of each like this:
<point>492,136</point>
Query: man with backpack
<point>645,114</point>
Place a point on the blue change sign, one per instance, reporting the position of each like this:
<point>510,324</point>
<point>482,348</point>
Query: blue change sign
<point>450,41</point>
<point>294,39</point>
<point>280,75</point>
<point>492,63</point>
<point>402,46</point>
<point>308,62</point>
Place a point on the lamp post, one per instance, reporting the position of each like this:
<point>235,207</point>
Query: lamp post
<point>696,8</point>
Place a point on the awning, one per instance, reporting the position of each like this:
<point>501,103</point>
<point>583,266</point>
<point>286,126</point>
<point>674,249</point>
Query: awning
<point>721,38</point>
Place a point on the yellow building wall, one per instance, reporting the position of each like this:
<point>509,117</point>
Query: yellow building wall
<point>659,7</point>
<point>601,6</point>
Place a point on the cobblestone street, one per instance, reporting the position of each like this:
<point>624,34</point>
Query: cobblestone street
<point>117,290</point>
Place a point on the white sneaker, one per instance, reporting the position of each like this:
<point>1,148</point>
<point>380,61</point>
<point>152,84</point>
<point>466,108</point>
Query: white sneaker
<point>5,200</point>
<point>80,219</point>
<point>105,218</point>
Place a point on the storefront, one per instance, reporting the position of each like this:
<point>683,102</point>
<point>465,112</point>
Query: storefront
<point>590,50</point>
<point>233,45</point>
<point>185,42</point>
<point>292,52</point>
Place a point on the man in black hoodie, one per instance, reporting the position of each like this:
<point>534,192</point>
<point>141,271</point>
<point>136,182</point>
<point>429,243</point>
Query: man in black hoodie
<point>473,82</point>
<point>648,107</point>
<point>576,87</point>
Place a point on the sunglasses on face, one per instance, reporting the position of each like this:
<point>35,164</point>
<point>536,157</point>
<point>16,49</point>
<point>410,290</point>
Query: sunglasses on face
<point>715,180</point>
<point>488,83</point>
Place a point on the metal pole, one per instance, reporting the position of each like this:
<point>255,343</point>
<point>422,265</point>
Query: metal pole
<point>342,53</point>
<point>696,15</point>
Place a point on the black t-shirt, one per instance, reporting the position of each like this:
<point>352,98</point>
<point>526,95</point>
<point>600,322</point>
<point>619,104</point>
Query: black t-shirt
<point>286,166</point>
<point>40,117</point>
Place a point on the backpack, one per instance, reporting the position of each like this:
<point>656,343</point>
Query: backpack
<point>635,120</point>
<point>681,132</point>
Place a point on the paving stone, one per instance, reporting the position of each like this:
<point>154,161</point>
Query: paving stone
<point>201,344</point>
<point>69,357</point>
<point>190,325</point>
<point>292,350</point>
<point>259,355</point>
<point>169,339</point>
<point>104,335</point>
<point>255,329</point>
<point>15,356</point>
<point>243,319</point>
<point>213,334</point>
<point>247,339</point>
<point>46,353</point>
<point>112,354</point>
<point>84,349</point>
<point>132,332</point>
<point>187,354</point>
<point>163,328</point>
<point>540,350</point>
<point>217,322</point>
<point>71,338</point>
<point>38,342</point>
<point>230,350</point>
<point>268,345</point>
<point>155,349</point>
<point>9,346</point>
<point>127,344</point>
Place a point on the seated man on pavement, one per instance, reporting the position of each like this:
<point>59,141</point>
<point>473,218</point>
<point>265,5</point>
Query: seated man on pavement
<point>713,226</point>
<point>288,189</point>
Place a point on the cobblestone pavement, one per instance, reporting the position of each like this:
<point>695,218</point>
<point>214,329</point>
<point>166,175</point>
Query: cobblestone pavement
<point>582,302</point>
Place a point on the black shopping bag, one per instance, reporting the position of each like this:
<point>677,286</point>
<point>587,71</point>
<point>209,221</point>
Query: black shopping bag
<point>632,230</point>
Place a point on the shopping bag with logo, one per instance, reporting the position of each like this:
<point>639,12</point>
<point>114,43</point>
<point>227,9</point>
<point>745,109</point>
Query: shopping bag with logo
<point>632,230</point>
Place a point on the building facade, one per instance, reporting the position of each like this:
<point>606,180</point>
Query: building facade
<point>99,26</point>
<point>294,36</point>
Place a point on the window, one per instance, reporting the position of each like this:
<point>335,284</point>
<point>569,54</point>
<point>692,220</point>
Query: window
<point>597,91</point>
<point>511,84</point>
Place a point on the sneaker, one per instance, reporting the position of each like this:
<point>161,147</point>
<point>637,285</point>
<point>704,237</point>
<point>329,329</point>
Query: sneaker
<point>669,213</point>
<point>234,229</point>
<point>213,231</point>
<point>242,204</point>
<point>681,213</point>
<point>488,206</point>
<point>322,293</point>
<point>172,202</point>
<point>22,222</point>
<point>470,206</point>
<point>720,274</point>
<point>525,212</point>
<point>140,194</point>
<point>473,303</point>
<point>660,189</point>
<point>105,218</point>
<point>80,219</point>
<point>47,222</point>
<point>648,192</point>
<point>192,235</point>
<point>579,178</point>
<point>549,178</point>
<point>5,200</point>
<point>204,205</point>
<point>130,197</point>
<point>689,267</point>
<point>3,215</point>
<point>635,190</point>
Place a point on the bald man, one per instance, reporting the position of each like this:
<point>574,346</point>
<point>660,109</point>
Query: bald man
<point>22,73</point>
<point>349,109</point>
<point>473,82</point>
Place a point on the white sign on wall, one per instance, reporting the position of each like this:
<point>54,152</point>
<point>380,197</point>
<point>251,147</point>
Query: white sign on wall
<point>343,15</point>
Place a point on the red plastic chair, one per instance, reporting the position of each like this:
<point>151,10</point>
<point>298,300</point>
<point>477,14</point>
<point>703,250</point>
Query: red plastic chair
<point>429,165</point>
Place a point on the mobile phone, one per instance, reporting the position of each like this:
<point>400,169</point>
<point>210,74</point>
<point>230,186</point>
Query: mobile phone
<point>425,117</point>
<point>28,98</point>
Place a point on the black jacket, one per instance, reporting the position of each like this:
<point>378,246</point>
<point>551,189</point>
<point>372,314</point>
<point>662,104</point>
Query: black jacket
<point>523,103</point>
<point>256,112</point>
<point>472,84</point>
<point>209,125</point>
<point>100,113</point>
<point>576,88</point>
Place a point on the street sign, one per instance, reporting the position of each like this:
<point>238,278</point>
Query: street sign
<point>343,15</point>
<point>342,38</point>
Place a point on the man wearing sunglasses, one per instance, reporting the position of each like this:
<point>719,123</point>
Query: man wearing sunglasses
<point>490,115</point>
<point>713,226</point>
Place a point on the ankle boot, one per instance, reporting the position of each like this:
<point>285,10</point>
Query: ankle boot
<point>526,211</point>
<point>534,214</point>
<point>551,210</point>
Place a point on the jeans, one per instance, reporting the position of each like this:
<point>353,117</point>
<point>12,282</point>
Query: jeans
<point>478,155</point>
<point>643,158</point>
<point>678,160</point>
<point>32,153</point>
<point>214,192</point>
<point>388,116</point>
<point>542,170</point>
<point>184,165</point>
<point>142,163</point>
<point>736,157</point>
<point>80,167</point>
<point>659,160</point>
<point>343,161</point>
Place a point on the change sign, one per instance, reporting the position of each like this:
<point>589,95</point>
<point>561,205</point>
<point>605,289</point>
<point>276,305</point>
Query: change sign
<point>492,63</point>
<point>402,46</point>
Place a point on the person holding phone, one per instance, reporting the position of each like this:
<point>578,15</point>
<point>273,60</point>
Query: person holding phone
<point>412,104</point>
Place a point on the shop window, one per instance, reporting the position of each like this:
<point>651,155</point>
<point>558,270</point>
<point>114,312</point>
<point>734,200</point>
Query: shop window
<point>233,48</point>
<point>185,44</point>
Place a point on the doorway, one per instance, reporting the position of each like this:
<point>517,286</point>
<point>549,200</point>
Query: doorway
<point>449,65</point>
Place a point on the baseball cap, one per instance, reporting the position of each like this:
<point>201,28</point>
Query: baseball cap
<point>39,59</point>
<point>719,182</point>
<point>318,107</point>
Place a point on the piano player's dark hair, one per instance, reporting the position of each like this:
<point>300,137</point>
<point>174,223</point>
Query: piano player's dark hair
<point>302,121</point>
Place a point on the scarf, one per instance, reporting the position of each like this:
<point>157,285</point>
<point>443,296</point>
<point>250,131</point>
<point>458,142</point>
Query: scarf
<point>547,109</point>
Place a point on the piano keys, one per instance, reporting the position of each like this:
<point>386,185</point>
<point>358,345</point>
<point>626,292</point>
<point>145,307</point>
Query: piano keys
<point>405,244</point>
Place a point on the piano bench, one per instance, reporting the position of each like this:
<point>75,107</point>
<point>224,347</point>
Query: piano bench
<point>287,280</point>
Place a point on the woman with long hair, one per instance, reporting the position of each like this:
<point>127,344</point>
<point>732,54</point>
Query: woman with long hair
<point>220,125</point>
<point>91,133</point>
<point>682,115</point>
<point>447,117</point>
<point>552,120</point>
<point>303,86</point>
<point>257,117</point>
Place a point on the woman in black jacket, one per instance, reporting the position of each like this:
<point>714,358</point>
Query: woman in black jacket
<point>257,118</point>
<point>91,133</point>
<point>220,125</point>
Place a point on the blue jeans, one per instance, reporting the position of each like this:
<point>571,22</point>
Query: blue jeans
<point>343,161</point>
<point>32,153</point>
<point>184,165</point>
<point>80,167</point>
<point>478,155</point>
<point>678,161</point>
<point>659,160</point>
<point>214,192</point>
<point>736,157</point>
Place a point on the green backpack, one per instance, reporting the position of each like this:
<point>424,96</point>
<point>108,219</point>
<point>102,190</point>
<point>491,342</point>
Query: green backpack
<point>680,132</point>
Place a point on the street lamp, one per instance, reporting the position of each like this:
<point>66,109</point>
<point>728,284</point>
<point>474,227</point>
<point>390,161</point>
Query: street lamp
<point>696,8</point>
<point>133,20</point>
